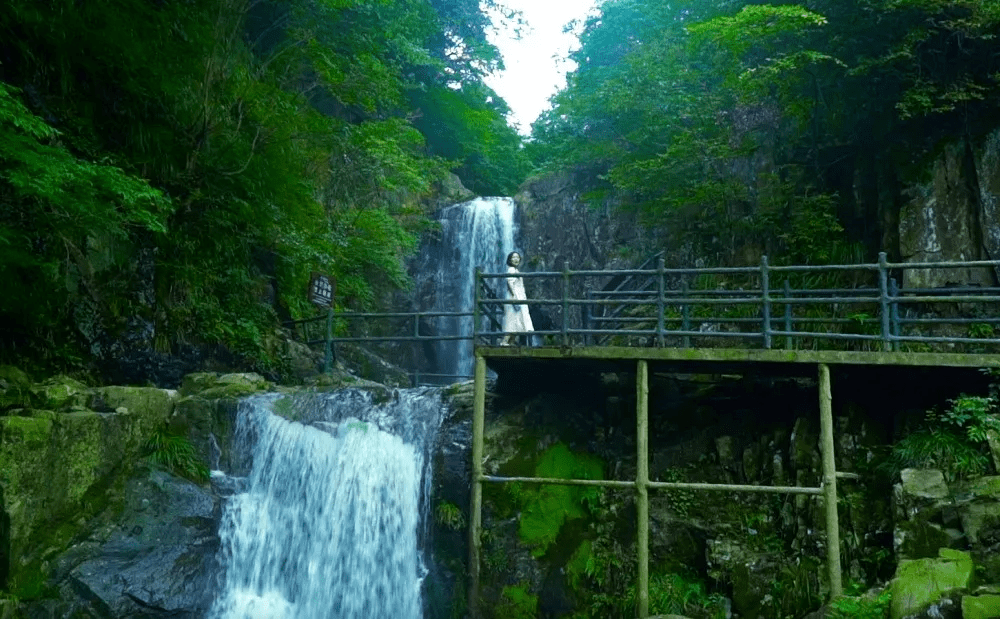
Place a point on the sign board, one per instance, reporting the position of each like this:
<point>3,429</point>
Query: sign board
<point>321,290</point>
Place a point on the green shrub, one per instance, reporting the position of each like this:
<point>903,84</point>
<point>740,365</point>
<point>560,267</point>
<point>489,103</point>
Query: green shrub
<point>953,441</point>
<point>864,606</point>
<point>176,454</point>
<point>517,603</point>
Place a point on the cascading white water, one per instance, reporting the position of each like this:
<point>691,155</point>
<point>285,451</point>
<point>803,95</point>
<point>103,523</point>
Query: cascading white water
<point>328,521</point>
<point>476,233</point>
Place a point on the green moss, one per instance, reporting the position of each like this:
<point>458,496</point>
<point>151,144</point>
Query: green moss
<point>27,584</point>
<point>576,567</point>
<point>545,509</point>
<point>517,603</point>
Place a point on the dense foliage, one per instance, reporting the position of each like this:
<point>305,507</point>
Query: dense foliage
<point>172,171</point>
<point>737,127</point>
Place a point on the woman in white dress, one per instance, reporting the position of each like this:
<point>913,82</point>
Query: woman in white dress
<point>515,315</point>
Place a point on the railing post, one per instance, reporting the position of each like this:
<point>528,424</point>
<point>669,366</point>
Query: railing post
<point>685,315</point>
<point>788,316</point>
<point>416,334</point>
<point>765,301</point>
<point>660,301</point>
<point>586,315</point>
<point>475,509</point>
<point>883,291</point>
<point>477,296</point>
<point>894,311</point>
<point>565,306</point>
<point>829,481</point>
<point>328,347</point>
<point>642,488</point>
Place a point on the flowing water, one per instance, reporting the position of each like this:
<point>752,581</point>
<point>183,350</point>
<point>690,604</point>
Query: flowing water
<point>480,233</point>
<point>330,517</point>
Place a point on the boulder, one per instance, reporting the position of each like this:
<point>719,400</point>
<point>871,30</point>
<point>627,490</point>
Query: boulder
<point>981,521</point>
<point>158,558</point>
<point>924,484</point>
<point>54,470</point>
<point>921,582</point>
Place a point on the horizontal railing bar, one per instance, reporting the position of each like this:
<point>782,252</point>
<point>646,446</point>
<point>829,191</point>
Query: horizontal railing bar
<point>402,338</point>
<point>678,485</point>
<point>607,483</point>
<point>399,314</point>
<point>654,485</point>
<point>943,340</point>
<point>944,321</point>
<point>946,299</point>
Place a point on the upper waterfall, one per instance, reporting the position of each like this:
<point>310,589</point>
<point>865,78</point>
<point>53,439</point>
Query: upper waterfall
<point>480,232</point>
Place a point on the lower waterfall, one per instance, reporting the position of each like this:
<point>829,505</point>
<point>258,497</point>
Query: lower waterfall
<point>330,517</point>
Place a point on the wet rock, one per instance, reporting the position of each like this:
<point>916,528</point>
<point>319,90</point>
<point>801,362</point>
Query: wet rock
<point>157,559</point>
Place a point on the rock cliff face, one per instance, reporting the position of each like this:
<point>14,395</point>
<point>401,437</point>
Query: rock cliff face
<point>954,216</point>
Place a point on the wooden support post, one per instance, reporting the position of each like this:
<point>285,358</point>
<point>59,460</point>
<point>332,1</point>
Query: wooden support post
<point>829,481</point>
<point>642,487</point>
<point>475,509</point>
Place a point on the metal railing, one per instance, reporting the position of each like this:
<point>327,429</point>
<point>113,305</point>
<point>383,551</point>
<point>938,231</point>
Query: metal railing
<point>709,307</point>
<point>313,332</point>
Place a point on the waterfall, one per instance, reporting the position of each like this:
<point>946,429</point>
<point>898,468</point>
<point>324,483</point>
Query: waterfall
<point>330,517</point>
<point>476,233</point>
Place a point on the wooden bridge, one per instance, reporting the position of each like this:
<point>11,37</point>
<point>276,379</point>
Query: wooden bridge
<point>782,320</point>
<point>728,320</point>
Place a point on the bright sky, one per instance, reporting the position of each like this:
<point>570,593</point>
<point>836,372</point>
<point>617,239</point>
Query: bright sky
<point>536,64</point>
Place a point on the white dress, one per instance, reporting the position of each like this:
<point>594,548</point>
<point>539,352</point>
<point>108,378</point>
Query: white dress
<point>515,316</point>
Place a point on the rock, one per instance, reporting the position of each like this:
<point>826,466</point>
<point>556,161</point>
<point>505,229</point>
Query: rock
<point>153,406</point>
<point>213,386</point>
<point>919,583</point>
<point>993,440</point>
<point>60,393</point>
<point>804,445</point>
<point>986,487</point>
<point>980,606</point>
<point>725,447</point>
<point>50,466</point>
<point>981,521</point>
<point>156,559</point>
<point>924,483</point>
<point>940,222</point>
<point>15,388</point>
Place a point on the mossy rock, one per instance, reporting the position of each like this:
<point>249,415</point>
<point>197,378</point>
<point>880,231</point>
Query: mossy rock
<point>213,386</point>
<point>921,582</point>
<point>980,606</point>
<point>60,393</point>
<point>151,405</point>
<point>986,487</point>
<point>15,388</point>
<point>54,469</point>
